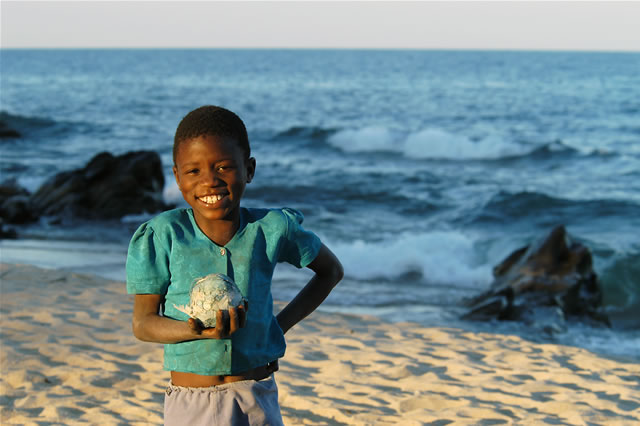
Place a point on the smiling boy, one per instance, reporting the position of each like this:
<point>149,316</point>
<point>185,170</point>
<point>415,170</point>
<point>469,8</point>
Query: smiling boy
<point>223,374</point>
<point>212,172</point>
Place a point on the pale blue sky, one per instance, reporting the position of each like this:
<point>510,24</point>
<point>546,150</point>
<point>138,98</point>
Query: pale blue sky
<point>441,25</point>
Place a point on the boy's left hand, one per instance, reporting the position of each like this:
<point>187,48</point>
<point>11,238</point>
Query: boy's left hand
<point>227,323</point>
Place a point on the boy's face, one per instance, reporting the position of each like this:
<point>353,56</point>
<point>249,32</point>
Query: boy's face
<point>212,173</point>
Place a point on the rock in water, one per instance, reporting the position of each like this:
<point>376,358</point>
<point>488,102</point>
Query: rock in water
<point>14,203</point>
<point>108,187</point>
<point>553,272</point>
<point>210,294</point>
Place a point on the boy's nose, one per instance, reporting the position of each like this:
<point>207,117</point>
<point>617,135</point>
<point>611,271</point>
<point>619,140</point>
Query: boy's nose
<point>211,178</point>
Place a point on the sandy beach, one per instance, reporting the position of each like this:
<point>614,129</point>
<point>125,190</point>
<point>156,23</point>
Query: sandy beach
<point>68,357</point>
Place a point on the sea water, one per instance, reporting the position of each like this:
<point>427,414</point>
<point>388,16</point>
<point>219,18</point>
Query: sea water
<point>421,170</point>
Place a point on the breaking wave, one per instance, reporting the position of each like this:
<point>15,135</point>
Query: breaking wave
<point>430,143</point>
<point>440,257</point>
<point>24,124</point>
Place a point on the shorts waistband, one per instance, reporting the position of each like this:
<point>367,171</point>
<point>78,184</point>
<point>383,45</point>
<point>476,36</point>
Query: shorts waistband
<point>191,380</point>
<point>171,388</point>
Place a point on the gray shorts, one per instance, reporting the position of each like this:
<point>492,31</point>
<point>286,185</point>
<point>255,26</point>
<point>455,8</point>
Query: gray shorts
<point>247,402</point>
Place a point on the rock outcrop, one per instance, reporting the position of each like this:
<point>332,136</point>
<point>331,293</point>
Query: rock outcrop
<point>543,283</point>
<point>14,203</point>
<point>108,187</point>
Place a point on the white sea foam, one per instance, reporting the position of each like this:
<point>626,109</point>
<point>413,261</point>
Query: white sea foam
<point>366,139</point>
<point>437,143</point>
<point>426,143</point>
<point>442,257</point>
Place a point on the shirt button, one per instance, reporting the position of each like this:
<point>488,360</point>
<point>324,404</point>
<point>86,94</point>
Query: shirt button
<point>222,252</point>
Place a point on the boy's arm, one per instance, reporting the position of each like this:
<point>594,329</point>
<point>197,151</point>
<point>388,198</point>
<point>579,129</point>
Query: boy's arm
<point>149,326</point>
<point>328,272</point>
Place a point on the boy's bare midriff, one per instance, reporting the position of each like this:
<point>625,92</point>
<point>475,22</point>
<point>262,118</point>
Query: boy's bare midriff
<point>192,380</point>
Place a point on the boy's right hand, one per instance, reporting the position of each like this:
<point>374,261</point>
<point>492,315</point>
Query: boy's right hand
<point>227,323</point>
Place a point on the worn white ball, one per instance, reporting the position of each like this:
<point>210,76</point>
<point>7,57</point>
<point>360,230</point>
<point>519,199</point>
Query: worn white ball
<point>208,295</point>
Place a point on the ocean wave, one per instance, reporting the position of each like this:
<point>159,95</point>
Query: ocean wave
<point>23,124</point>
<point>430,143</point>
<point>308,132</point>
<point>506,204</point>
<point>436,143</point>
<point>439,257</point>
<point>552,150</point>
<point>540,207</point>
<point>367,139</point>
<point>621,287</point>
<point>30,126</point>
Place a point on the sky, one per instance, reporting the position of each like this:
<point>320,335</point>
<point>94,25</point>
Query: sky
<point>540,25</point>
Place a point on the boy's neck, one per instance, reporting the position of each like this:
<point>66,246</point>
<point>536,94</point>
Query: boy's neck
<point>220,231</point>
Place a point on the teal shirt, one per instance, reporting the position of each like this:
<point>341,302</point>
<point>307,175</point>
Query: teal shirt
<point>167,253</point>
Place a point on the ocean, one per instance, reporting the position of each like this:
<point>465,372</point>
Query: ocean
<point>421,170</point>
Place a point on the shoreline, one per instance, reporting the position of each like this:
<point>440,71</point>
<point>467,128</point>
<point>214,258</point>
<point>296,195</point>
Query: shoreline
<point>104,259</point>
<point>68,355</point>
<point>107,259</point>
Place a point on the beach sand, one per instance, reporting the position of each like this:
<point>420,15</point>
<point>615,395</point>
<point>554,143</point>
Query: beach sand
<point>68,356</point>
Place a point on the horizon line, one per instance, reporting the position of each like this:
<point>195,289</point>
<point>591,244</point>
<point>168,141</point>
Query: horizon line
<point>345,48</point>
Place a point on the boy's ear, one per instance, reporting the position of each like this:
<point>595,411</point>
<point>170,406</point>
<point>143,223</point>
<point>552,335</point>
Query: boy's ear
<point>251,169</point>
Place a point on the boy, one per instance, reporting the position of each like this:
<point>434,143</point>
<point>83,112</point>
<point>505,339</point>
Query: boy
<point>221,374</point>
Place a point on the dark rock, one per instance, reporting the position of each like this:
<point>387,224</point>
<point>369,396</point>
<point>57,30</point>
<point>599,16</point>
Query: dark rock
<point>9,188</point>
<point>543,283</point>
<point>7,132</point>
<point>107,187</point>
<point>14,203</point>
<point>7,233</point>
<point>17,209</point>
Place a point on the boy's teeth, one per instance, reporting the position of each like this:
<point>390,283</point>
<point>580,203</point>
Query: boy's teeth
<point>210,199</point>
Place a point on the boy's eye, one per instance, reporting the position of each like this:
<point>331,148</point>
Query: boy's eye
<point>192,171</point>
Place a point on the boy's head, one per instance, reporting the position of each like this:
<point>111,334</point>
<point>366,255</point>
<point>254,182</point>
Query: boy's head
<point>212,166</point>
<point>210,120</point>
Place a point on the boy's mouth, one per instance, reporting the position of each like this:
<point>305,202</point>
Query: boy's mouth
<point>211,199</point>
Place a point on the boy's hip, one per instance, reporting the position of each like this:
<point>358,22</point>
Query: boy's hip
<point>192,380</point>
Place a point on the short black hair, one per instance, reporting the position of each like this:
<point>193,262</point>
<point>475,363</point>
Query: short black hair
<point>211,120</point>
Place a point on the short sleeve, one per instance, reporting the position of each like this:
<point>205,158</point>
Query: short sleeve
<point>300,246</point>
<point>147,263</point>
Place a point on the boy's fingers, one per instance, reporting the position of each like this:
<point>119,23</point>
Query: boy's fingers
<point>221,326</point>
<point>193,324</point>
<point>234,320</point>
<point>242,316</point>
<point>227,322</point>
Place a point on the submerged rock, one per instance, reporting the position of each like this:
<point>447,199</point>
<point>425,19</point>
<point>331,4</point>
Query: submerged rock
<point>542,284</point>
<point>210,294</point>
<point>15,206</point>
<point>6,132</point>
